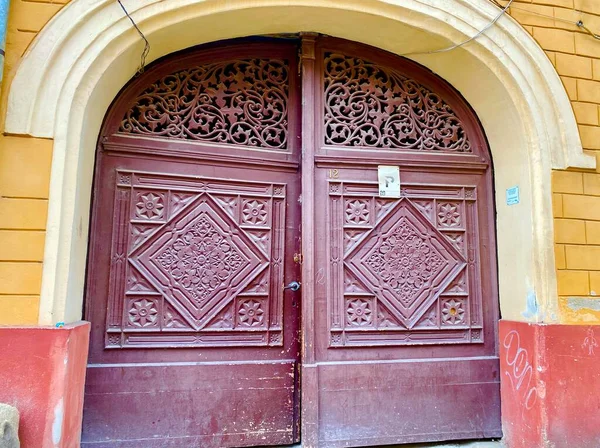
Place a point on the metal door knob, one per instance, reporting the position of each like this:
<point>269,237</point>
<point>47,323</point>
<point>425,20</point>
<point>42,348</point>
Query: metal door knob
<point>294,286</point>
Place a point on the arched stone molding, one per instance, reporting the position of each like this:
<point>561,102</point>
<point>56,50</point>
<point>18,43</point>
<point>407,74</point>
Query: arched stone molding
<point>85,54</point>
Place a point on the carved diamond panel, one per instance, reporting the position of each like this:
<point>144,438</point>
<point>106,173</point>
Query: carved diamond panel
<point>202,259</point>
<point>406,261</point>
<point>195,261</point>
<point>404,275</point>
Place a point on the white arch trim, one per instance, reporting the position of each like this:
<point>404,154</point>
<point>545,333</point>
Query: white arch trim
<point>86,53</point>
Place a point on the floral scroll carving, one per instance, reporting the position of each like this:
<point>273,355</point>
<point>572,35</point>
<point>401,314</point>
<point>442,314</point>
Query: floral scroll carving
<point>201,259</point>
<point>240,102</point>
<point>370,105</point>
<point>406,262</point>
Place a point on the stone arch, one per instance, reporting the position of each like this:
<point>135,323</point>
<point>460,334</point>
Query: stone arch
<point>83,57</point>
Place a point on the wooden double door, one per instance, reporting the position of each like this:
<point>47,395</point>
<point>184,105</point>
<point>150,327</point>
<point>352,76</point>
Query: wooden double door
<point>249,284</point>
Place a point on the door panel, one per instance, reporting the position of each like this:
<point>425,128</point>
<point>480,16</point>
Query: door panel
<point>403,272</point>
<point>189,404</point>
<point>409,401</point>
<point>194,229</point>
<point>204,262</point>
<point>406,335</point>
<point>194,277</point>
<point>405,288</point>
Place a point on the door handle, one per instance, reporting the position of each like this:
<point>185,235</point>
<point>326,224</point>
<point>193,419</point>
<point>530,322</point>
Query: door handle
<point>294,286</point>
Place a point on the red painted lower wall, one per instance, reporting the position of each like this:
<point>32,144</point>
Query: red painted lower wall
<point>42,374</point>
<point>550,385</point>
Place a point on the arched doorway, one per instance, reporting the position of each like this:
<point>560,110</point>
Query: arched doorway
<point>202,192</point>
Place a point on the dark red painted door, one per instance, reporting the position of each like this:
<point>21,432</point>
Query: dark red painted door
<point>194,229</point>
<point>196,222</point>
<point>405,292</point>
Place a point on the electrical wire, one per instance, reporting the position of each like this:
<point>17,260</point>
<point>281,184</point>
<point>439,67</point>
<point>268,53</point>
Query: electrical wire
<point>579,24</point>
<point>470,39</point>
<point>146,49</point>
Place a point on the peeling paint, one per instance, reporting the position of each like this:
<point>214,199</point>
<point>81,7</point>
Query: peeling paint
<point>531,310</point>
<point>57,423</point>
<point>580,303</point>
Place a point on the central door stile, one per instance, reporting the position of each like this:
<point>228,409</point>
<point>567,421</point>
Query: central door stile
<point>309,382</point>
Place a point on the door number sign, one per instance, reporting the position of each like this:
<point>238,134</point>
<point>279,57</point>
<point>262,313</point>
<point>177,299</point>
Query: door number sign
<point>389,181</point>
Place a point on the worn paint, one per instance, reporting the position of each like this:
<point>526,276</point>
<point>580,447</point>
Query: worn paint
<point>47,391</point>
<point>531,306</point>
<point>57,423</point>
<point>581,303</point>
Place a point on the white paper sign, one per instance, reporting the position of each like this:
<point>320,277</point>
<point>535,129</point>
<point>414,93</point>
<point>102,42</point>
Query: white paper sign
<point>512,195</point>
<point>389,181</point>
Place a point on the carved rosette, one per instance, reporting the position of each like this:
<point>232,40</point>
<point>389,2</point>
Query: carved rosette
<point>239,102</point>
<point>194,264</point>
<point>369,105</point>
<point>403,271</point>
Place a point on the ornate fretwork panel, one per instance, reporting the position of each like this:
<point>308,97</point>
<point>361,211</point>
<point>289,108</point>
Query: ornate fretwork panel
<point>403,271</point>
<point>195,262</point>
<point>370,105</point>
<point>239,102</point>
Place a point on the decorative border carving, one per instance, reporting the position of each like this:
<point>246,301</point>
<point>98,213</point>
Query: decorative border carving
<point>371,317</point>
<point>165,274</point>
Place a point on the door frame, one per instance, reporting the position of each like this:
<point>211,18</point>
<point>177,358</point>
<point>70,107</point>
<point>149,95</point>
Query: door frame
<point>113,142</point>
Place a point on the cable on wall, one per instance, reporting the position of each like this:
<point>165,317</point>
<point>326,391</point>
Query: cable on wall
<point>146,49</point>
<point>470,39</point>
<point>579,24</point>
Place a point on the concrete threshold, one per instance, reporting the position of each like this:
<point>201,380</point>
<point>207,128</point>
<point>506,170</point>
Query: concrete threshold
<point>467,444</point>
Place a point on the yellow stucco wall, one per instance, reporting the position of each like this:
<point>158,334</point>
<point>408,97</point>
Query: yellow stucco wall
<point>25,163</point>
<point>576,57</point>
<point>24,180</point>
<point>577,237</point>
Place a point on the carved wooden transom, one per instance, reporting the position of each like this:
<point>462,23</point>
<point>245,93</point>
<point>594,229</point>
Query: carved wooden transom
<point>368,105</point>
<point>240,102</point>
